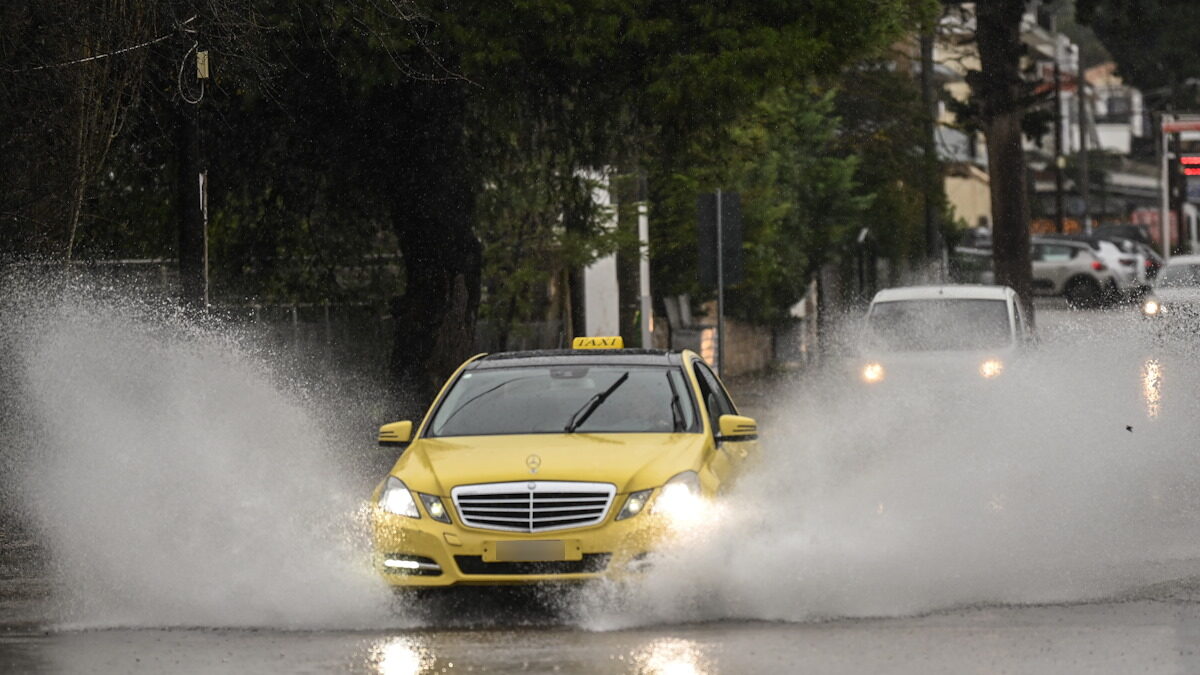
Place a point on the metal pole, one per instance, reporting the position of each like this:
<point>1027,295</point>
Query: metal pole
<point>644,273</point>
<point>720,291</point>
<point>1084,178</point>
<point>929,142</point>
<point>1164,211</point>
<point>1059,158</point>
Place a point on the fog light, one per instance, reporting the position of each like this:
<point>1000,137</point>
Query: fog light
<point>872,372</point>
<point>1151,308</point>
<point>634,504</point>
<point>435,508</point>
<point>405,564</point>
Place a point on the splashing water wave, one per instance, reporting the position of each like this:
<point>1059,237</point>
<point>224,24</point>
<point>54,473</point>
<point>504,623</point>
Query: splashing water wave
<point>1075,480</point>
<point>173,476</point>
<point>178,478</point>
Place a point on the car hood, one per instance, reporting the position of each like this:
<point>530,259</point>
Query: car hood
<point>628,461</point>
<point>1189,295</point>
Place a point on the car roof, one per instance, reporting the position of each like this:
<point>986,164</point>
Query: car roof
<point>953,292</point>
<point>1184,260</point>
<point>558,357</point>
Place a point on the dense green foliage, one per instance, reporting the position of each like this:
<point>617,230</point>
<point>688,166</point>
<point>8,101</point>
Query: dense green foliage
<point>1153,43</point>
<point>441,158</point>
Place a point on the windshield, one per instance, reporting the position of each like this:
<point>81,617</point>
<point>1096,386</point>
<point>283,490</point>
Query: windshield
<point>547,399</point>
<point>1180,275</point>
<point>935,325</point>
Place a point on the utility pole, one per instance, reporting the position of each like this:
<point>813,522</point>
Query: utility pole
<point>192,179</point>
<point>1059,158</point>
<point>1164,187</point>
<point>1084,176</point>
<point>720,290</point>
<point>929,100</point>
<point>647,304</point>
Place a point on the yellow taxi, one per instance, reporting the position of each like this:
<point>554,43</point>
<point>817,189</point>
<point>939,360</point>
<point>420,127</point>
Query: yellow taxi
<point>555,465</point>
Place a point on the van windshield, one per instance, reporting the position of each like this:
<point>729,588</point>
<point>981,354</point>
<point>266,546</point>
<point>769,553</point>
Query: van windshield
<point>939,324</point>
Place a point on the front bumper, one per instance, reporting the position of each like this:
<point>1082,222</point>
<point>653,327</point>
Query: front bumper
<point>425,553</point>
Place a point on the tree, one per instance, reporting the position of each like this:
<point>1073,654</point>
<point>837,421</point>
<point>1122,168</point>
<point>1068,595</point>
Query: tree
<point>1153,43</point>
<point>1001,93</point>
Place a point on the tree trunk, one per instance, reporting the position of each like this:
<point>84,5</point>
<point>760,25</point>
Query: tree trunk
<point>1000,89</point>
<point>433,216</point>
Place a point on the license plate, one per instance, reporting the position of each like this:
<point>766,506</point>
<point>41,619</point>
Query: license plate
<point>531,551</point>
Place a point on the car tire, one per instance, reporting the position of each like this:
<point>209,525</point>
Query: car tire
<point>1082,293</point>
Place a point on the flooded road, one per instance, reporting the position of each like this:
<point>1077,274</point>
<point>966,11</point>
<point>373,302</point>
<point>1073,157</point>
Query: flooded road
<point>1115,638</point>
<point>1049,525</point>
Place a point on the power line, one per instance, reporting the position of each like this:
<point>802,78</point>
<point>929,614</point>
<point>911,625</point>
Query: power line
<point>76,62</point>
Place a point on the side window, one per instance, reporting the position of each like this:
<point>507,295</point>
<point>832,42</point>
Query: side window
<point>716,401</point>
<point>1051,253</point>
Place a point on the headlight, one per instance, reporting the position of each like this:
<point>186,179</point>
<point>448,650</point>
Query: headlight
<point>435,508</point>
<point>991,368</point>
<point>634,504</point>
<point>1151,307</point>
<point>872,372</point>
<point>396,499</point>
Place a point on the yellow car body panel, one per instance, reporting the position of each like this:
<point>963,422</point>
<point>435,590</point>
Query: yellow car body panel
<point>629,462</point>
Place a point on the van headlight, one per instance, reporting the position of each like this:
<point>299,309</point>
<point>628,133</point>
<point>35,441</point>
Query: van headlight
<point>396,499</point>
<point>872,372</point>
<point>991,368</point>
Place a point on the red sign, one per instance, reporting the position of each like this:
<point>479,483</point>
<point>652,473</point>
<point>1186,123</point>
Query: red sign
<point>1176,127</point>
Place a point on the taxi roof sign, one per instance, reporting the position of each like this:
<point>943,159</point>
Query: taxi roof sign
<point>607,342</point>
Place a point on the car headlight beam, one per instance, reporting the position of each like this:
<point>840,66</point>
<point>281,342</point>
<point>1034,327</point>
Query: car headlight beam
<point>1151,307</point>
<point>396,499</point>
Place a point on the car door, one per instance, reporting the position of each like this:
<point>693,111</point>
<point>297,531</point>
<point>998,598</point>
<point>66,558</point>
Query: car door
<point>1052,265</point>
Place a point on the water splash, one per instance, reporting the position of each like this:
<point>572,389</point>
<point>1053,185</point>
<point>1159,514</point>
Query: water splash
<point>174,476</point>
<point>1075,479</point>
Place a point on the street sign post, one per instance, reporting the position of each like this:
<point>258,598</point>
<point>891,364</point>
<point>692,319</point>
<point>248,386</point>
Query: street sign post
<point>719,225</point>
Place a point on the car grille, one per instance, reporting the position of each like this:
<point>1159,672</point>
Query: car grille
<point>592,563</point>
<point>532,506</point>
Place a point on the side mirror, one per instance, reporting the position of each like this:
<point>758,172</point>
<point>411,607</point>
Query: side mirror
<point>737,428</point>
<point>396,434</point>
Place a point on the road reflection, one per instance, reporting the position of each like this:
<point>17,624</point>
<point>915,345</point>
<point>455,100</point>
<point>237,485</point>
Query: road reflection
<point>401,656</point>
<point>671,656</point>
<point>1152,386</point>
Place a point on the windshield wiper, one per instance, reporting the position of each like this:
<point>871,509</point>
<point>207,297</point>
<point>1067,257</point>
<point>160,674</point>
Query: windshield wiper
<point>676,409</point>
<point>441,423</point>
<point>594,402</point>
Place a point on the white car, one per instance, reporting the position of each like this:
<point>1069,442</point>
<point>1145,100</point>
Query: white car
<point>934,332</point>
<point>1076,269</point>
